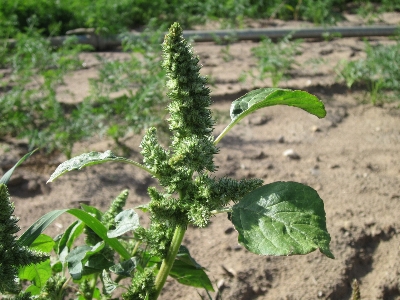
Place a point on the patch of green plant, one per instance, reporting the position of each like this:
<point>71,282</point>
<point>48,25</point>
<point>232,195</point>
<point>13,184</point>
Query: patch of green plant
<point>274,59</point>
<point>280,218</point>
<point>126,96</point>
<point>226,41</point>
<point>56,17</point>
<point>140,80</point>
<point>29,108</point>
<point>379,71</point>
<point>319,11</point>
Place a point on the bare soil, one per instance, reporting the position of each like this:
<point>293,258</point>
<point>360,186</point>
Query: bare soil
<point>352,158</point>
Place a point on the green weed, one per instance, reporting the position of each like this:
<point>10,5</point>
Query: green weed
<point>274,60</point>
<point>28,106</point>
<point>117,246</point>
<point>140,79</point>
<point>379,71</point>
<point>56,17</point>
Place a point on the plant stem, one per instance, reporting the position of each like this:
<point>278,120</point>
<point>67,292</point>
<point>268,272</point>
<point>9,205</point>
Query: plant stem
<point>221,210</point>
<point>92,283</point>
<point>168,261</point>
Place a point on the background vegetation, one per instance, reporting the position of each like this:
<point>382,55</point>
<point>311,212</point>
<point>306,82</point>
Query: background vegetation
<point>33,70</point>
<point>56,17</point>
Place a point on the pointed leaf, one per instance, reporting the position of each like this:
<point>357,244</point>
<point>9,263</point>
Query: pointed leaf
<point>68,238</point>
<point>187,271</point>
<point>27,238</point>
<point>184,255</point>
<point>43,243</point>
<point>6,177</point>
<point>127,220</point>
<point>189,275</point>
<point>282,218</point>
<point>37,273</point>
<point>41,224</point>
<point>265,97</point>
<point>33,290</point>
<point>88,159</point>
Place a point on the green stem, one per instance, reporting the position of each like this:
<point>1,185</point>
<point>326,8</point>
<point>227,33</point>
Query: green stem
<point>221,210</point>
<point>168,261</point>
<point>128,161</point>
<point>93,282</point>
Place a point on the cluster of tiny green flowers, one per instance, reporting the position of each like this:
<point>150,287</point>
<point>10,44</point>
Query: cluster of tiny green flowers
<point>53,288</point>
<point>190,194</point>
<point>12,254</point>
<point>142,286</point>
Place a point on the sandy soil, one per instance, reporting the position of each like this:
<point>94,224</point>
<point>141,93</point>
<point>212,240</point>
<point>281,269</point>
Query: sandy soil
<point>351,158</point>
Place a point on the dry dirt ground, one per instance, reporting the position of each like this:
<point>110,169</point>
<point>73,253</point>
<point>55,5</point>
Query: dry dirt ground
<point>352,158</point>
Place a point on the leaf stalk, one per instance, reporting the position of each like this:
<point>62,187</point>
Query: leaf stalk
<point>168,261</point>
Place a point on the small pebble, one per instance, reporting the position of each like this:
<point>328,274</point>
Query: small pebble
<point>229,271</point>
<point>261,155</point>
<point>315,129</point>
<point>220,284</point>
<point>229,230</point>
<point>291,154</point>
<point>237,248</point>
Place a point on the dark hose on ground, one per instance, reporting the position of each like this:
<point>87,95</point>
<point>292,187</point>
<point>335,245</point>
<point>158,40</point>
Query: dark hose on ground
<point>102,43</point>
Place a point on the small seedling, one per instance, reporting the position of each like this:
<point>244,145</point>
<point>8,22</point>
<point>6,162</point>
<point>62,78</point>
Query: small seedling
<point>379,71</point>
<point>274,60</point>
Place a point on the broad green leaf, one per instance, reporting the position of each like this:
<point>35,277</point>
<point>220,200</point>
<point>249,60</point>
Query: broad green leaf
<point>33,290</point>
<point>97,294</point>
<point>38,274</point>
<point>265,97</point>
<point>6,177</point>
<point>184,255</point>
<point>282,218</point>
<point>89,159</point>
<point>98,262</point>
<point>43,243</point>
<point>126,267</point>
<point>127,220</point>
<point>187,271</point>
<point>190,275</point>
<point>42,223</point>
<point>57,267</point>
<point>78,256</point>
